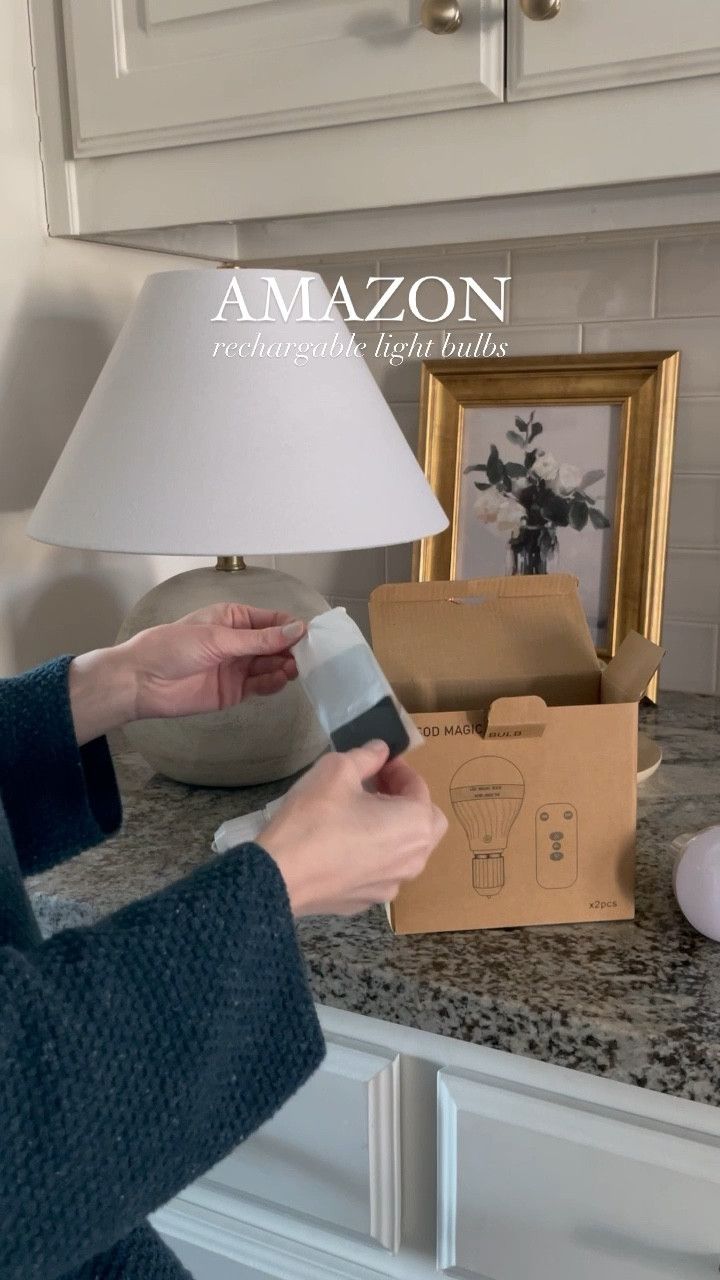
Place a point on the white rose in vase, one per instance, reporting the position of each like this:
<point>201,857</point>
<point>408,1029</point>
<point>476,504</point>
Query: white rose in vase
<point>569,478</point>
<point>501,512</point>
<point>509,517</point>
<point>487,505</point>
<point>546,467</point>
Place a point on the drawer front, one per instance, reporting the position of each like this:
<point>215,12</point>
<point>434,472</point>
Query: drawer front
<point>531,1185</point>
<point>331,1156</point>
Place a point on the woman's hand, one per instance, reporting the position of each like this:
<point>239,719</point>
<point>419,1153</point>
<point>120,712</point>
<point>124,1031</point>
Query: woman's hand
<point>342,848</point>
<point>206,661</point>
<point>211,659</point>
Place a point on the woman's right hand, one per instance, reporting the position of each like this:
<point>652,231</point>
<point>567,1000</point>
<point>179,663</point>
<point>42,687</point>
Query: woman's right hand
<point>341,848</point>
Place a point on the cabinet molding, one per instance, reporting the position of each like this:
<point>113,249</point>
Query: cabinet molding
<point>666,206</point>
<point>259,1249</point>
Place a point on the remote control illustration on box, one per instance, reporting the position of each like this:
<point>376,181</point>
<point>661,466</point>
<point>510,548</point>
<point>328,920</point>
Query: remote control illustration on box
<point>556,846</point>
<point>487,794</point>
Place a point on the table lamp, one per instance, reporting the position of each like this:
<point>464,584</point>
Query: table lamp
<point>235,416</point>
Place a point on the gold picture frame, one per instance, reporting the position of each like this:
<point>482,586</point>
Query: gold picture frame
<point>639,388</point>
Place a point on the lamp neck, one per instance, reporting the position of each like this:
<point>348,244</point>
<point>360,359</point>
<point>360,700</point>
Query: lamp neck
<point>230,564</point>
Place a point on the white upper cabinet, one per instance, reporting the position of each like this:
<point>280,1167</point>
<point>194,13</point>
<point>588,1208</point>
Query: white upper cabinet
<point>603,44</point>
<point>224,127</point>
<point>160,73</point>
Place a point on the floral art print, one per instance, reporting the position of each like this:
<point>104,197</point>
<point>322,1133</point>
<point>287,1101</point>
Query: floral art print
<point>537,496</point>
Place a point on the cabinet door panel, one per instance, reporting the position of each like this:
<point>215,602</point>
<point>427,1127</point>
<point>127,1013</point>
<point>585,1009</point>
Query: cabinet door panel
<point>157,73</point>
<point>532,1186</point>
<point>600,44</point>
<point>332,1154</point>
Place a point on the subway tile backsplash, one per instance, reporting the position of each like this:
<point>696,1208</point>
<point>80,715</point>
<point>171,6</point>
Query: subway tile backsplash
<point>692,590</point>
<point>689,276</point>
<point>697,339</point>
<point>692,656</point>
<point>697,436</point>
<point>339,572</point>
<point>696,511</point>
<point>585,282</point>
<point>609,292</point>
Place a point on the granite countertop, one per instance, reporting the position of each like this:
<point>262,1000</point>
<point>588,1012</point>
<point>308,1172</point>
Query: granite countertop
<point>637,1001</point>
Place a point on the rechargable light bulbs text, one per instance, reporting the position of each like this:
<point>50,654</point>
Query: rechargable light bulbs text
<point>394,298</point>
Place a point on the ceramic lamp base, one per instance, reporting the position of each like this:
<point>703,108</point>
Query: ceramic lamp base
<point>260,740</point>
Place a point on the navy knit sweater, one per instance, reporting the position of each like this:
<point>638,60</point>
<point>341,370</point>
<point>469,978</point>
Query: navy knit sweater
<point>135,1053</point>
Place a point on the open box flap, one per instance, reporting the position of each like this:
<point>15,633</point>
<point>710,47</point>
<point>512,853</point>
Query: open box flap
<point>516,718</point>
<point>629,673</point>
<point>459,645</point>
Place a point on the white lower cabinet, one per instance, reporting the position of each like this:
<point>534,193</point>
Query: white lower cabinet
<point>206,1264</point>
<point>331,1156</point>
<point>409,1155</point>
<point>541,1185</point>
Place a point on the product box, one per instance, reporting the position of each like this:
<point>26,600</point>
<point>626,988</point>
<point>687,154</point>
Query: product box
<point>530,748</point>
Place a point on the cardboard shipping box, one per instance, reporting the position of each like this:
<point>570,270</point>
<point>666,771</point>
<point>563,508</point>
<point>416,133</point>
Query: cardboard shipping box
<point>530,749</point>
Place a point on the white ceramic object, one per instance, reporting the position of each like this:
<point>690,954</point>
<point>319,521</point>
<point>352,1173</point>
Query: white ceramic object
<point>258,741</point>
<point>649,757</point>
<point>696,880</point>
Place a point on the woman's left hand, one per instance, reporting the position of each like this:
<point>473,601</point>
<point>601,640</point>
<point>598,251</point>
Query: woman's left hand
<point>206,661</point>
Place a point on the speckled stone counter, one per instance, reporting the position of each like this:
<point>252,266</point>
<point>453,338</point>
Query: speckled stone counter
<point>638,1001</point>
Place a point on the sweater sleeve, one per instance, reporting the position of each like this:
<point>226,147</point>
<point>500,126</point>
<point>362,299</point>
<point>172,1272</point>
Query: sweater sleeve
<point>59,798</point>
<point>136,1053</point>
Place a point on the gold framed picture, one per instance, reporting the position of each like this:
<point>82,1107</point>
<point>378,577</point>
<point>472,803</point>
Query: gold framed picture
<point>555,464</point>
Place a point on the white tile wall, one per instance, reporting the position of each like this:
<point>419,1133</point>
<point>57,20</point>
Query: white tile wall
<point>696,511</point>
<point>697,436</point>
<point>407,415</point>
<point>398,562</point>
<point>358,610</point>
<point>585,282</point>
<point>697,339</point>
<point>333,572</point>
<point>692,590</point>
<point>689,276</point>
<point>623,291</point>
<point>692,655</point>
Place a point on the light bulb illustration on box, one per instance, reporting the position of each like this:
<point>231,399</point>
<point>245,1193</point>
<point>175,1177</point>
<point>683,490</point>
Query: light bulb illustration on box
<point>487,795</point>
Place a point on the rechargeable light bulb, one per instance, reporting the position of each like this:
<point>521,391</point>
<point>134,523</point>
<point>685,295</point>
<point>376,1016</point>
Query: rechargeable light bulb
<point>487,795</point>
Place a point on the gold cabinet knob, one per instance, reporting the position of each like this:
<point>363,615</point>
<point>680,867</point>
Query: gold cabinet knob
<point>441,17</point>
<point>539,10</point>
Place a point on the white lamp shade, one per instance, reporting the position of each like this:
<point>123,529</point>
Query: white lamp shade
<point>181,451</point>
